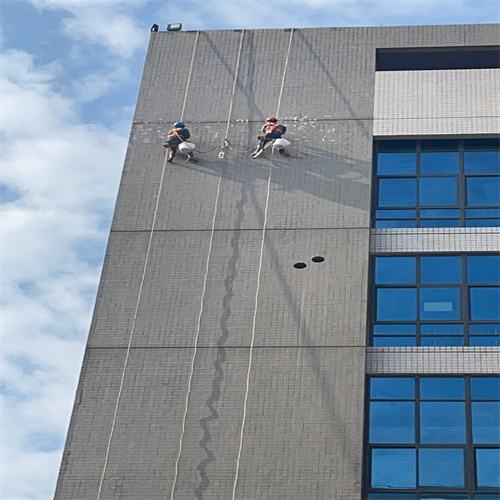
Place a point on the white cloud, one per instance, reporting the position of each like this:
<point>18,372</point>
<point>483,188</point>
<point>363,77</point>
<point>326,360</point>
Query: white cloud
<point>101,22</point>
<point>66,174</point>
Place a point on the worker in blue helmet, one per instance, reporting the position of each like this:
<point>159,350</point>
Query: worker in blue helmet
<point>178,134</point>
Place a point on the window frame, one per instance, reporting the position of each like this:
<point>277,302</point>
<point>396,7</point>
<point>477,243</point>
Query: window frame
<point>465,308</point>
<point>460,146</point>
<point>470,474</point>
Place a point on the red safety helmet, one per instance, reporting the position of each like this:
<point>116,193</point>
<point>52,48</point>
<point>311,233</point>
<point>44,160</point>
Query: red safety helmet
<point>271,119</point>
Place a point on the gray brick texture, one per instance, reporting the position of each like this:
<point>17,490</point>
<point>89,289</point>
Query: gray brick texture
<point>213,364</point>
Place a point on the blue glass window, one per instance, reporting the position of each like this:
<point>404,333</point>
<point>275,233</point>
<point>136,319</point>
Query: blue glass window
<point>488,467</point>
<point>396,304</point>
<point>482,191</point>
<point>429,174</point>
<point>441,285</point>
<point>485,388</point>
<point>441,467</point>
<point>483,268</point>
<point>486,422</point>
<point>440,270</point>
<point>442,388</point>
<point>485,303</point>
<point>392,388</point>
<point>439,163</point>
<point>441,329</point>
<point>395,270</point>
<point>442,422</point>
<point>396,163</point>
<point>482,162</point>
<point>440,213</point>
<point>397,192</point>
<point>424,440</point>
<point>393,468</point>
<point>435,191</point>
<point>439,303</point>
<point>392,422</point>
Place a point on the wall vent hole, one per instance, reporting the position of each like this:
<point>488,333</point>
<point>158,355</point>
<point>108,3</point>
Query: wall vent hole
<point>318,259</point>
<point>300,265</point>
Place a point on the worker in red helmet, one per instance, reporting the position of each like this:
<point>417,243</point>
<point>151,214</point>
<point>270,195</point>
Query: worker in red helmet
<point>271,130</point>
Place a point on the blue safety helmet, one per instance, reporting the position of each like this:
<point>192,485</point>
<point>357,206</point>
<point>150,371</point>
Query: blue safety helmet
<point>179,124</point>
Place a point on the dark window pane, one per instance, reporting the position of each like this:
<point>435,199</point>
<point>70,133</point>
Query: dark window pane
<point>394,341</point>
<point>392,422</point>
<point>397,192</point>
<point>439,163</point>
<point>440,270</point>
<point>395,214</point>
<point>427,341</point>
<point>442,422</point>
<point>486,422</point>
<point>485,303</point>
<point>483,268</point>
<point>392,388</point>
<point>441,467</point>
<point>442,329</point>
<point>487,496</point>
<point>395,223</point>
<point>482,223</point>
<point>488,329</point>
<point>437,341</point>
<point>391,496</point>
<point>393,468</point>
<point>491,144</point>
<point>439,303</point>
<point>488,467</point>
<point>477,341</point>
<point>396,304</point>
<point>395,270</point>
<point>396,163</point>
<point>485,387</point>
<point>482,212</point>
<point>439,496</point>
<point>483,191</point>
<point>394,329</point>
<point>482,162</point>
<point>440,223</point>
<point>442,388</point>
<point>439,213</point>
<point>439,145</point>
<point>438,191</point>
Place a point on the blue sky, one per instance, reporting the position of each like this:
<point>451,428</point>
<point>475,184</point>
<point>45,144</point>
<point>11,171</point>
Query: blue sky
<point>69,77</point>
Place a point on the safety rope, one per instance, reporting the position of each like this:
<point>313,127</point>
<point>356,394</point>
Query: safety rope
<point>132,330</point>
<point>202,301</point>
<point>141,286</point>
<point>189,74</point>
<point>259,272</point>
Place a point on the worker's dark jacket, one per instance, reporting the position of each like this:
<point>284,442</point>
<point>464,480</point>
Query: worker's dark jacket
<point>273,130</point>
<point>177,135</point>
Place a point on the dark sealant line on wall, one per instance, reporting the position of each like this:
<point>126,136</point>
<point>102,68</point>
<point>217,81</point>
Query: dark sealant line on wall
<point>221,352</point>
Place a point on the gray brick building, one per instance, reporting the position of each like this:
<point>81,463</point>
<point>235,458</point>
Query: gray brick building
<point>217,366</point>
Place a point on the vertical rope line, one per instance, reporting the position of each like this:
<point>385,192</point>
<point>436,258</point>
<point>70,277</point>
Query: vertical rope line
<point>284,72</point>
<point>259,272</point>
<point>132,330</point>
<point>234,83</point>
<point>252,342</point>
<point>189,75</point>
<point>197,336</point>
<point>203,293</point>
